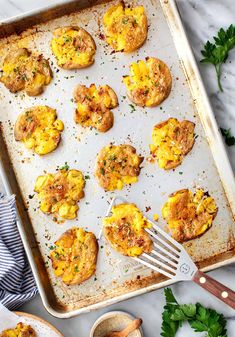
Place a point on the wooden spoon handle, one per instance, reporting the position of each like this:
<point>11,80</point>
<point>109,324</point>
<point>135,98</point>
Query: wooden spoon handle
<point>135,324</point>
<point>214,287</point>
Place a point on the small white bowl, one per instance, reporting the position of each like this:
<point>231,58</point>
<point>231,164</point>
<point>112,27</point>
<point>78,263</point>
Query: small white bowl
<point>113,321</point>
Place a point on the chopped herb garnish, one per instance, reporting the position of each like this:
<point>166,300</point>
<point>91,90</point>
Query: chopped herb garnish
<point>125,21</point>
<point>87,177</point>
<point>24,77</point>
<point>65,166</point>
<point>132,108</point>
<point>76,269</point>
<point>67,39</point>
<point>102,171</point>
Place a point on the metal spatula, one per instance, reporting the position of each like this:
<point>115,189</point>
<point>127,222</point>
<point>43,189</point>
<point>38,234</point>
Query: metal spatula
<point>171,259</point>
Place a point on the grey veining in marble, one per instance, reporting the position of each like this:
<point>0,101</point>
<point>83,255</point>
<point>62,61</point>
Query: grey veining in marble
<point>202,19</point>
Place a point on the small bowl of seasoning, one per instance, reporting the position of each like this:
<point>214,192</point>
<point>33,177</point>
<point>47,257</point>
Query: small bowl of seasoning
<point>117,324</point>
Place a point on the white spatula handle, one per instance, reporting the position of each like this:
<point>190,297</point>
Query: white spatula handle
<point>214,287</point>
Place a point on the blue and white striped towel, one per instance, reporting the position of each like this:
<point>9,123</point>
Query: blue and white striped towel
<point>17,284</point>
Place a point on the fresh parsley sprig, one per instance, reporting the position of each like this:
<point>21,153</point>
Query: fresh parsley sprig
<point>201,319</point>
<point>228,137</point>
<point>217,53</point>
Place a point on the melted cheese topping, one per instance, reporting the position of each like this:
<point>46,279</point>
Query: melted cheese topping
<point>60,192</point>
<point>39,129</point>
<point>171,141</point>
<point>124,229</point>
<point>75,255</point>
<point>149,82</point>
<point>117,166</point>
<point>23,70</point>
<point>20,330</point>
<point>125,28</point>
<point>93,106</point>
<point>189,215</point>
<point>73,46</point>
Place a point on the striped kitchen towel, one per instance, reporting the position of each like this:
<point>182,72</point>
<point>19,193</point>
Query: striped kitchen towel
<point>17,284</point>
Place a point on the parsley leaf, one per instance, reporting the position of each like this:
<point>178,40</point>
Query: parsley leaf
<point>228,137</point>
<point>169,327</point>
<point>210,321</point>
<point>200,319</point>
<point>217,53</point>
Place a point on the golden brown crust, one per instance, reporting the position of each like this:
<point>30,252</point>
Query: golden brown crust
<point>149,83</point>
<point>75,256</point>
<point>124,230</point>
<point>73,47</point>
<point>172,140</point>
<point>23,70</point>
<point>125,28</point>
<point>94,106</point>
<point>39,129</point>
<point>189,215</point>
<point>60,192</point>
<point>21,330</point>
<point>117,165</point>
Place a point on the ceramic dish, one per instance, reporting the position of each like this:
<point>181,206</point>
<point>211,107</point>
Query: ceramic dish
<point>41,327</point>
<point>113,321</point>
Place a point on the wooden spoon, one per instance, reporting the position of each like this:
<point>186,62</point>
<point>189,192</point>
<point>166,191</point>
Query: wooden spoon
<point>132,326</point>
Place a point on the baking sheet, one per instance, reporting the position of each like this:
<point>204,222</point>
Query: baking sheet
<point>117,277</point>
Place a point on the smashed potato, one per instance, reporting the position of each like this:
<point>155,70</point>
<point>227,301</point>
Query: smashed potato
<point>60,192</point>
<point>24,71</point>
<point>124,230</point>
<point>74,258</point>
<point>172,140</point>
<point>189,215</point>
<point>39,129</point>
<point>125,28</point>
<point>93,106</point>
<point>116,166</point>
<point>73,47</point>
<point>21,330</point>
<point>149,82</point>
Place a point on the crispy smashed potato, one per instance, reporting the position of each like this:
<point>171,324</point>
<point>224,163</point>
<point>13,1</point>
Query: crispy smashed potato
<point>60,192</point>
<point>74,258</point>
<point>125,28</point>
<point>73,47</point>
<point>24,71</point>
<point>189,215</point>
<point>149,82</point>
<point>39,129</point>
<point>93,106</point>
<point>172,140</point>
<point>21,330</point>
<point>124,230</point>
<point>116,166</point>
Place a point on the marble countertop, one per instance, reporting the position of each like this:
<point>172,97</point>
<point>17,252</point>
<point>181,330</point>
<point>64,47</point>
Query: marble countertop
<point>202,19</point>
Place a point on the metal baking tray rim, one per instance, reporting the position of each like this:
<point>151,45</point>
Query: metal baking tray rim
<point>211,130</point>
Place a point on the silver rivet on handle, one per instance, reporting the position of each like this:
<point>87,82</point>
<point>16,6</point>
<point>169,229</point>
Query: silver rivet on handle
<point>224,294</point>
<point>202,279</point>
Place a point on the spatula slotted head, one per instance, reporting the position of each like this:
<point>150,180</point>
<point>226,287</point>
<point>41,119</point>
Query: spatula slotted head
<point>168,257</point>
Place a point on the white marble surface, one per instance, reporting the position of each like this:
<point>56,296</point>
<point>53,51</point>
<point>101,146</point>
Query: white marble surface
<point>202,19</point>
